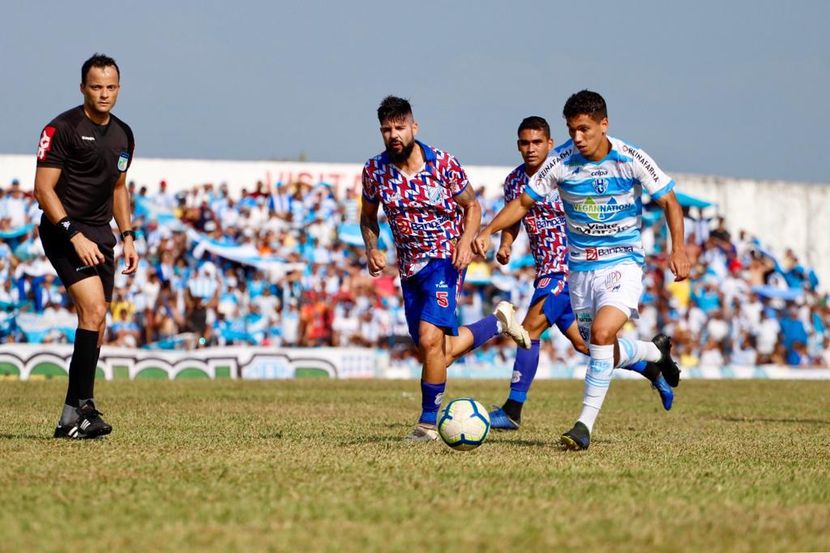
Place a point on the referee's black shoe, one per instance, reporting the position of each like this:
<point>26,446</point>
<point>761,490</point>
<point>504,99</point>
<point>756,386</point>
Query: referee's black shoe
<point>89,424</point>
<point>668,368</point>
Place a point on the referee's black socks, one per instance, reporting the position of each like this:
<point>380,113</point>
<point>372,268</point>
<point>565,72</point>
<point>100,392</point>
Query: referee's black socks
<point>82,367</point>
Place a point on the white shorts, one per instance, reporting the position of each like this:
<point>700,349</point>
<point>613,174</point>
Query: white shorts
<point>619,286</point>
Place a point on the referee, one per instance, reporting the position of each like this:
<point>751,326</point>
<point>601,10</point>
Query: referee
<point>82,161</point>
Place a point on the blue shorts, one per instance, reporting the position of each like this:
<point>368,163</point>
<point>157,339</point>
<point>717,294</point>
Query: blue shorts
<point>553,290</point>
<point>430,295</point>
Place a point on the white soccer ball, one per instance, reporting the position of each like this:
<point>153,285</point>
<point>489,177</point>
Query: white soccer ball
<point>464,424</point>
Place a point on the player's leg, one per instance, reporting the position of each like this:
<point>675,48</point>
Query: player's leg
<point>623,361</point>
<point>432,347</point>
<point>548,301</point>
<point>501,321</point>
<point>509,415</point>
<point>473,336</point>
<point>90,289</point>
<point>603,301</point>
<point>586,294</point>
<point>430,315</point>
<point>80,418</point>
<point>603,331</point>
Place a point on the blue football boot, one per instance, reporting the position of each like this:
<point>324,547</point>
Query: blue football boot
<point>665,391</point>
<point>500,421</point>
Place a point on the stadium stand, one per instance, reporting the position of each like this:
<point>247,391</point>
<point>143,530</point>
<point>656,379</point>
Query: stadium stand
<point>282,266</point>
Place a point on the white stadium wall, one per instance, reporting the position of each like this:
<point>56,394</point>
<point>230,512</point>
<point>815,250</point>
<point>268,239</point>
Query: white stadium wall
<point>782,214</point>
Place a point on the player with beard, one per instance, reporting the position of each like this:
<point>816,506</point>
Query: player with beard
<point>550,304</point>
<point>80,183</point>
<point>434,216</point>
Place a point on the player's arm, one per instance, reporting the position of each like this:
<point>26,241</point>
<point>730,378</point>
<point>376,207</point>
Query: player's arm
<point>510,215</point>
<point>370,229</point>
<point>121,212</point>
<point>661,188</point>
<point>508,236</point>
<point>679,261</point>
<point>46,179</point>
<point>462,255</point>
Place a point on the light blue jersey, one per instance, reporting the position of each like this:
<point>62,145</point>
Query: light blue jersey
<point>602,201</point>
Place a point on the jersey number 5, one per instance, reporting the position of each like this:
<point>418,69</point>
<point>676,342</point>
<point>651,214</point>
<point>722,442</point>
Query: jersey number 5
<point>443,299</point>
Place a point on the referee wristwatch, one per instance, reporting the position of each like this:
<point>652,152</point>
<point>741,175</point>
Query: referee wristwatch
<point>127,233</point>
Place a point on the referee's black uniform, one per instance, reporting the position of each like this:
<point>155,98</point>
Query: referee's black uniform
<point>91,158</point>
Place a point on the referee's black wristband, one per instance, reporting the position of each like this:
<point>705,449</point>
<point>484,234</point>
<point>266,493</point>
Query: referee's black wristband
<point>68,227</point>
<point>127,233</point>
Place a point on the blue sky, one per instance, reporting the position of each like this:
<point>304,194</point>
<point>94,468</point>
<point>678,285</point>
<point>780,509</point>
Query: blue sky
<point>714,87</point>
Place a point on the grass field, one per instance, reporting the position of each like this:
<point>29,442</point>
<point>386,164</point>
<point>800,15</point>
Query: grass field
<point>319,466</point>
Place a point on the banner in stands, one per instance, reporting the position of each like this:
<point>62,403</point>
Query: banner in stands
<point>32,361</point>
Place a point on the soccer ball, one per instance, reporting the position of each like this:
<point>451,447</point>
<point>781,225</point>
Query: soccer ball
<point>464,424</point>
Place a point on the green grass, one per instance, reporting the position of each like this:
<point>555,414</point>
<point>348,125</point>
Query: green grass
<point>319,466</point>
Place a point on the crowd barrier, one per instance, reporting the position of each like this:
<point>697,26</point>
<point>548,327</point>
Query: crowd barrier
<point>33,362</point>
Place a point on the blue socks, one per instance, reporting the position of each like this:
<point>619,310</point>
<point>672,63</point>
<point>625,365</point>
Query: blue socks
<point>524,370</point>
<point>431,396</point>
<point>483,330</point>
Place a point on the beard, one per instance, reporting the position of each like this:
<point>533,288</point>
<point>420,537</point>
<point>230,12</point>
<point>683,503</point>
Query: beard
<point>403,155</point>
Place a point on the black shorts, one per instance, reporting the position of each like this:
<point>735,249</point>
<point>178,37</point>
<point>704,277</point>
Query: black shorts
<point>66,262</point>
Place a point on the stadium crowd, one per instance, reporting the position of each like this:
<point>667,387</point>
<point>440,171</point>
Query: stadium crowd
<point>283,266</point>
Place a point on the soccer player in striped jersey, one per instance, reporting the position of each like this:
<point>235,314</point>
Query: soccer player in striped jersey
<point>434,216</point>
<point>550,304</point>
<point>600,180</point>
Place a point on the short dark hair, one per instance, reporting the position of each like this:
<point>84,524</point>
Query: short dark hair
<point>534,123</point>
<point>394,108</point>
<point>98,60</point>
<point>585,102</point>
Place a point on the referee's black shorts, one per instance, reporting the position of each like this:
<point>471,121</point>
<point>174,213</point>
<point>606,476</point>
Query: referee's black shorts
<point>65,260</point>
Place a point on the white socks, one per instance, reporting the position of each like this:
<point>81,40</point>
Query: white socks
<point>632,351</point>
<point>597,380</point>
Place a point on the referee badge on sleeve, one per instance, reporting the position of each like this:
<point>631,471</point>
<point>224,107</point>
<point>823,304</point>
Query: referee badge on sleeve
<point>123,161</point>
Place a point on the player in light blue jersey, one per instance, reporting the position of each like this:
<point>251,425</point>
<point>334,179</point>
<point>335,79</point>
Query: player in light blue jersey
<point>600,180</point>
<point>550,304</point>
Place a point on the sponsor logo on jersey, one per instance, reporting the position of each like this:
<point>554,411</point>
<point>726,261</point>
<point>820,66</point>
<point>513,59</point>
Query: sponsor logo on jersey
<point>536,224</point>
<point>45,143</point>
<point>90,138</point>
<point>600,211</point>
<point>123,161</point>
<point>441,284</point>
<point>428,225</point>
<point>593,254</point>
<point>599,229</point>
<point>638,155</point>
